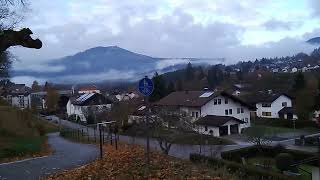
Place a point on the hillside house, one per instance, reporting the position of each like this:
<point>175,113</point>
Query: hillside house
<point>274,106</point>
<point>212,113</point>
<point>17,95</point>
<point>80,105</point>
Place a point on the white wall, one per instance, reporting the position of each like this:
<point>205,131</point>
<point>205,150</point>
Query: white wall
<point>219,110</point>
<point>215,130</point>
<point>276,106</point>
<point>15,101</point>
<point>189,110</point>
<point>78,110</point>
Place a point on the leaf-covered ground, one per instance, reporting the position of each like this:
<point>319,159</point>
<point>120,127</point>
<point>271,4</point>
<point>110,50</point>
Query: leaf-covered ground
<point>128,162</point>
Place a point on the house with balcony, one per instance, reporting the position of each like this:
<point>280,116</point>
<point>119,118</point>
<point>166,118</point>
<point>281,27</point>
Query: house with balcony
<point>211,112</point>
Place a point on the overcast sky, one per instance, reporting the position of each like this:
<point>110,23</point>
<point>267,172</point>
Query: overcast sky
<point>231,29</point>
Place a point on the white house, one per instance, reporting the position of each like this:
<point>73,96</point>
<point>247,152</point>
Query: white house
<point>18,95</point>
<point>269,105</point>
<point>80,105</point>
<point>213,113</point>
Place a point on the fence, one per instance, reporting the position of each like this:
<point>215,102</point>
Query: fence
<point>101,133</point>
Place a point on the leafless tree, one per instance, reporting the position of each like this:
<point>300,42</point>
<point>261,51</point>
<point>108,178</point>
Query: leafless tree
<point>257,136</point>
<point>168,126</point>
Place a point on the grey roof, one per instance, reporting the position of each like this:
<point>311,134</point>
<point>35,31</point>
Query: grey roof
<point>90,100</point>
<point>216,121</point>
<point>286,110</point>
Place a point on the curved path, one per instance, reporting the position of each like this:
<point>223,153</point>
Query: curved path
<point>66,155</point>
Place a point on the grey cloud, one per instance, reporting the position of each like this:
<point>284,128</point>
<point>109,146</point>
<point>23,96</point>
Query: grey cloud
<point>315,6</point>
<point>274,24</point>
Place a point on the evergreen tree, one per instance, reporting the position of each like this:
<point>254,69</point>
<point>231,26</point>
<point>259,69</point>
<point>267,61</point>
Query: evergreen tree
<point>179,85</point>
<point>201,74</point>
<point>35,86</point>
<point>299,82</point>
<point>189,72</point>
<point>171,87</point>
<point>215,76</point>
<point>160,89</point>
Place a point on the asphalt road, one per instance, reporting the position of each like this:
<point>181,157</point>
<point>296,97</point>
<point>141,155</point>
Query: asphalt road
<point>176,150</point>
<point>66,155</point>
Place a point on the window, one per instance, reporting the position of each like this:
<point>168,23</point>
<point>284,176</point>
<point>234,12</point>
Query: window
<point>21,101</point>
<point>230,111</point>
<point>284,104</point>
<point>266,113</point>
<point>219,101</point>
<point>266,105</point>
<point>197,114</point>
<point>215,102</point>
<point>242,111</point>
<point>238,110</point>
<point>226,101</point>
<point>226,112</point>
<point>206,128</point>
<point>192,114</point>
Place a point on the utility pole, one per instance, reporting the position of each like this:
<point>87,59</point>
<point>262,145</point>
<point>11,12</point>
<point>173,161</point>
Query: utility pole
<point>147,123</point>
<point>100,133</point>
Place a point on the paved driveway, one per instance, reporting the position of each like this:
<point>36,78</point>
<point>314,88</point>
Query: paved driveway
<point>66,155</point>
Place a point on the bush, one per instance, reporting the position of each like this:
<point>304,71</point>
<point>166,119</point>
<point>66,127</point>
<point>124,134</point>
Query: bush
<point>41,129</point>
<point>267,151</point>
<point>245,172</point>
<point>285,123</point>
<point>283,161</point>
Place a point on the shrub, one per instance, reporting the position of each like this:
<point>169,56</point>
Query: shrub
<point>41,129</point>
<point>244,172</point>
<point>283,161</point>
<point>267,151</point>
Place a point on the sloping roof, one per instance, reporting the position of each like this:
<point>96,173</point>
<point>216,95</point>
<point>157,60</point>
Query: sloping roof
<point>216,121</point>
<point>264,97</point>
<point>88,88</point>
<point>196,98</point>
<point>90,99</point>
<point>286,110</point>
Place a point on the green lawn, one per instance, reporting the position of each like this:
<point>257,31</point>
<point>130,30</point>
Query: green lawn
<point>260,160</point>
<point>190,138</point>
<point>18,146</point>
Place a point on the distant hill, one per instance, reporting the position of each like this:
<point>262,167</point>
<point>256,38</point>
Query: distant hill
<point>108,63</point>
<point>314,41</point>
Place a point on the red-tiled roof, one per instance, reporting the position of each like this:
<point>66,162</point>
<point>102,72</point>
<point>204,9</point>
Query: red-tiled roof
<point>88,88</point>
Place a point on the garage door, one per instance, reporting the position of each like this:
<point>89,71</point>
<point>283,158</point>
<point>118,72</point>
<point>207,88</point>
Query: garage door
<point>234,129</point>
<point>223,130</point>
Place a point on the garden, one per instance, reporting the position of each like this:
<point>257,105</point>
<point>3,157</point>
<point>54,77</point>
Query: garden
<point>276,159</point>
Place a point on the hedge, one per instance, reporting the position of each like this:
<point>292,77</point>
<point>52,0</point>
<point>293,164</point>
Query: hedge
<point>243,172</point>
<point>266,151</point>
<point>285,123</point>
